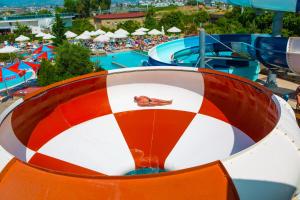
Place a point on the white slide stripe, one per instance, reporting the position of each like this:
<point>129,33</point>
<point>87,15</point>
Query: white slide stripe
<point>186,89</point>
<point>293,54</point>
<point>11,143</point>
<point>269,170</point>
<point>5,158</point>
<point>97,144</point>
<point>205,140</point>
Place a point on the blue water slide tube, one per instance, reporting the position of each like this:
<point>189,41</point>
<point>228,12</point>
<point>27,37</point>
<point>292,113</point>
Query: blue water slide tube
<point>277,5</point>
<point>271,51</point>
<point>163,54</point>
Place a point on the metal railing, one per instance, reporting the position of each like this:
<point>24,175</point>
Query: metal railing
<point>20,17</point>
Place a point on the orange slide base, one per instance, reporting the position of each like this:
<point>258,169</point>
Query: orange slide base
<point>208,182</point>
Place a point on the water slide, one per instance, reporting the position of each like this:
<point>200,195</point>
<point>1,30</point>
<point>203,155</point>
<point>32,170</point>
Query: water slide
<point>276,5</point>
<point>235,53</point>
<point>273,52</point>
<point>86,138</point>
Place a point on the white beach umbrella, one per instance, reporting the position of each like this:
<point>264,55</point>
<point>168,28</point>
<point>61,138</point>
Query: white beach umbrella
<point>86,33</point>
<point>9,49</point>
<point>22,38</point>
<point>110,34</point>
<point>142,30</point>
<point>70,34</point>
<point>102,38</point>
<point>100,32</point>
<point>174,30</point>
<point>154,32</point>
<point>121,32</point>
<point>48,37</point>
<point>93,33</point>
<point>83,37</point>
<point>40,34</point>
<point>138,33</point>
<point>120,36</point>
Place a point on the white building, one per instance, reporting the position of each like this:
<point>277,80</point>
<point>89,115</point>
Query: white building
<point>35,22</point>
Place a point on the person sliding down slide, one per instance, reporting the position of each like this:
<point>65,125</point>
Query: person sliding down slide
<point>146,101</point>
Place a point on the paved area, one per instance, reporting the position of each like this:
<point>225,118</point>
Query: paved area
<point>7,103</point>
<point>284,87</point>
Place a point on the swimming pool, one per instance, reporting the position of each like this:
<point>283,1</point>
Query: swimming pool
<point>120,60</point>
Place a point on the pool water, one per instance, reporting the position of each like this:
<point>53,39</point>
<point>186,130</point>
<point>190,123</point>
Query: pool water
<point>143,171</point>
<point>120,60</point>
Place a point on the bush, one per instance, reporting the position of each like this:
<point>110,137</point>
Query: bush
<point>129,25</point>
<point>81,25</point>
<point>71,60</point>
<point>48,73</point>
<point>173,19</point>
<point>6,57</point>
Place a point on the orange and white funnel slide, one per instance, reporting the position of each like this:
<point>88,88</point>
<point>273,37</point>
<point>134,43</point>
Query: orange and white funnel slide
<point>150,133</point>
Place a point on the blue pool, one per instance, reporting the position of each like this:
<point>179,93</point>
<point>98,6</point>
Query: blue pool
<point>120,60</point>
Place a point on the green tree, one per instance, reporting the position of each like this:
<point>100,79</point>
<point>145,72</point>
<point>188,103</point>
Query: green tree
<point>60,9</point>
<point>58,30</point>
<point>73,60</point>
<point>264,22</point>
<point>84,7</point>
<point>71,5</point>
<point>191,30</point>
<point>200,17</point>
<point>43,12</point>
<point>129,25</point>
<point>171,19</point>
<point>22,29</point>
<point>9,38</point>
<point>291,24</point>
<point>150,21</point>
<point>191,2</point>
<point>81,25</point>
<point>248,16</point>
<point>234,13</point>
<point>104,4</point>
<point>47,74</point>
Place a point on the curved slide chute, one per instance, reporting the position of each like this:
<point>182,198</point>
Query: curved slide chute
<point>277,5</point>
<point>273,52</point>
<point>80,138</point>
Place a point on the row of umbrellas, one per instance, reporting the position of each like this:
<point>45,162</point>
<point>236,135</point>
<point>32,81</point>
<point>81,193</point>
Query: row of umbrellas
<point>17,70</point>
<point>86,35</point>
<point>119,34</point>
<point>45,36</point>
<point>44,52</point>
<point>9,49</point>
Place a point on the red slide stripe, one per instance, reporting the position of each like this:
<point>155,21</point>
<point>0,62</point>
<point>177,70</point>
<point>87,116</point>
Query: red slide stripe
<point>152,134</point>
<point>50,163</point>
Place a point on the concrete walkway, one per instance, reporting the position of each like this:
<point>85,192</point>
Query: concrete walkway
<point>284,87</point>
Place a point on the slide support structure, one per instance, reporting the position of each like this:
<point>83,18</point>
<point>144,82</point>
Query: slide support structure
<point>202,48</point>
<point>277,24</point>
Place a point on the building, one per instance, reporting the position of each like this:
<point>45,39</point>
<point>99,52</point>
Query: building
<point>35,22</point>
<point>111,20</point>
